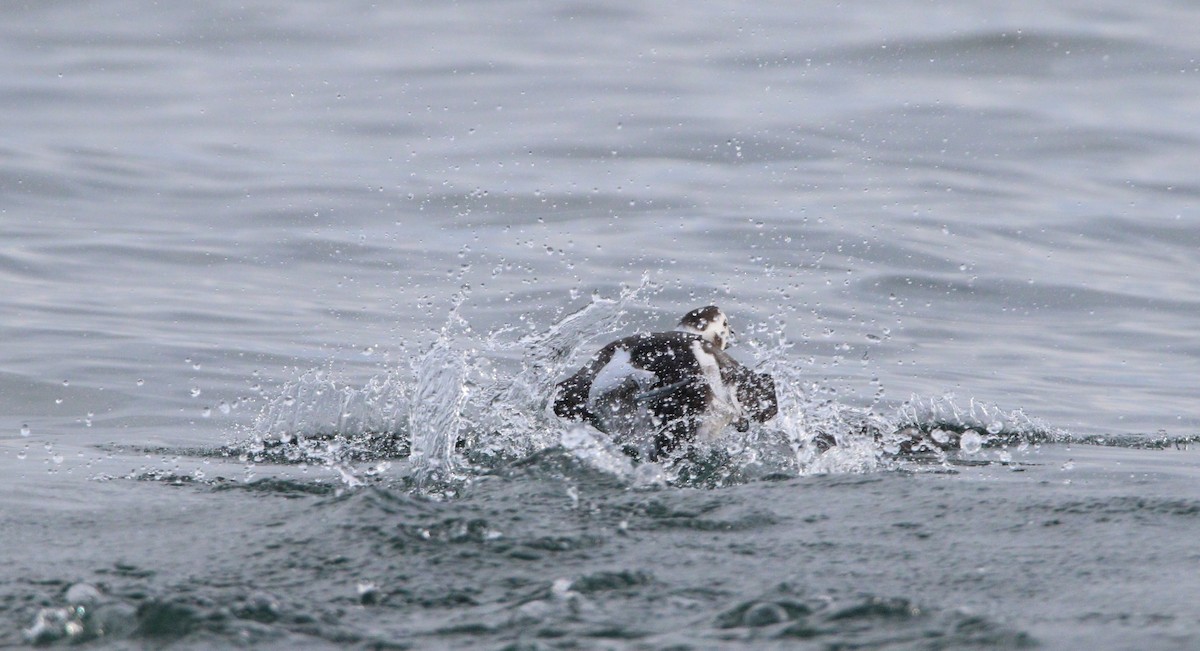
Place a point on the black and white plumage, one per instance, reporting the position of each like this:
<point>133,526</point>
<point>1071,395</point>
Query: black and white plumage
<point>653,392</point>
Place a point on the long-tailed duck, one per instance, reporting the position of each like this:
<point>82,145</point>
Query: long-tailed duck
<point>653,392</point>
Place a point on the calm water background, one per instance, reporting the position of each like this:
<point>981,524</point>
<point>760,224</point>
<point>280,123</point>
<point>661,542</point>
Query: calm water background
<point>199,204</point>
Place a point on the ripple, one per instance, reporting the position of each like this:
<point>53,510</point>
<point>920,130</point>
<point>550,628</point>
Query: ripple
<point>862,621</point>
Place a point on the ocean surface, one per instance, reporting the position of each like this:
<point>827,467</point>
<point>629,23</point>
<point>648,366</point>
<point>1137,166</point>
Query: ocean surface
<point>285,287</point>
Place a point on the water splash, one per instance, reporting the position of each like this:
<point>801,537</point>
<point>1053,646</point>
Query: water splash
<point>813,432</point>
<point>461,403</point>
<point>317,404</point>
<point>514,416</point>
<point>317,420</point>
<point>945,420</point>
<point>471,403</point>
<point>436,415</point>
<point>594,449</point>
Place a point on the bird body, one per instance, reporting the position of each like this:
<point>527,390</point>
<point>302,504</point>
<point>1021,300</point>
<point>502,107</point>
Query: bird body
<point>655,392</point>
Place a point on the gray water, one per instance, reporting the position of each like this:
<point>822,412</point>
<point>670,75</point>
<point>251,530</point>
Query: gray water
<point>284,286</point>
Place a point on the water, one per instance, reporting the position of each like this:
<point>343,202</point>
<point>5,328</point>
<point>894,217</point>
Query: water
<point>285,288</point>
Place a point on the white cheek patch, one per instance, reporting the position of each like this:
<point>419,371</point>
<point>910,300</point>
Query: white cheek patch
<point>714,333</point>
<point>718,333</point>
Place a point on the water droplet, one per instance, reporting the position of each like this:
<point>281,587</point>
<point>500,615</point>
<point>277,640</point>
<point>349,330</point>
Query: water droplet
<point>25,431</point>
<point>207,412</point>
<point>224,407</point>
<point>195,392</point>
<point>971,442</point>
<point>995,428</point>
<point>140,382</point>
<point>1069,465</point>
<point>66,383</point>
<point>940,435</point>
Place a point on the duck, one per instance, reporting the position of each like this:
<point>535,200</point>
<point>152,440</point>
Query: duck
<point>655,393</point>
